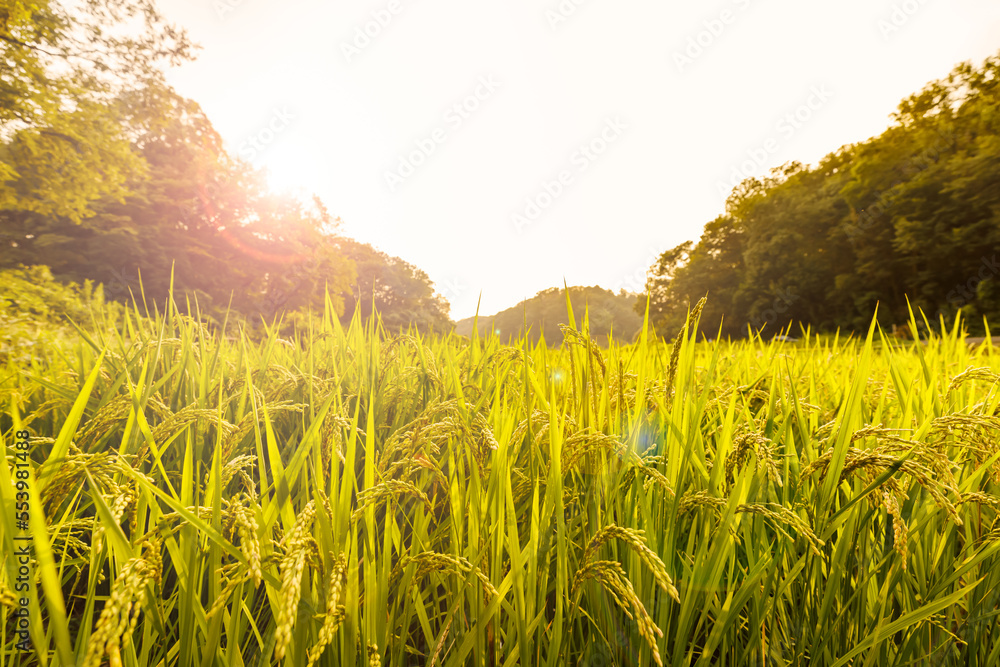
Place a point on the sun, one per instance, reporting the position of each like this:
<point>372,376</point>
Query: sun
<point>293,169</point>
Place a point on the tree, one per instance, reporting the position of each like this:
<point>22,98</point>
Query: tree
<point>665,302</point>
<point>61,117</point>
<point>196,217</point>
<point>402,294</point>
<point>791,251</point>
<point>909,217</point>
<point>712,267</point>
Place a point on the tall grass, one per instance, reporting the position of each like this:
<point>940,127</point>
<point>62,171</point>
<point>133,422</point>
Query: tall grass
<point>347,497</point>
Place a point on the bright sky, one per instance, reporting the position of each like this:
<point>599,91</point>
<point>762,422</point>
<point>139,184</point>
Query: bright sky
<point>505,147</point>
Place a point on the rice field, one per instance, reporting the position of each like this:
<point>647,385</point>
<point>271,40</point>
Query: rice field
<point>348,497</point>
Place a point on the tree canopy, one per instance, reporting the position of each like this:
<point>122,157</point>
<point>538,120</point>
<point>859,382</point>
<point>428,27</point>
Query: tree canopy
<point>108,175</point>
<point>196,217</point>
<point>402,294</point>
<point>910,217</point>
<point>65,120</point>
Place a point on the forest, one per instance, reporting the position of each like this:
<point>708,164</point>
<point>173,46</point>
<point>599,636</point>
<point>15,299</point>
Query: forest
<point>107,175</point>
<point>910,218</point>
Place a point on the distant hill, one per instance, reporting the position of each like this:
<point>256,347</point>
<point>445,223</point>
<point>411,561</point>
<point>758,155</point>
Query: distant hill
<point>545,311</point>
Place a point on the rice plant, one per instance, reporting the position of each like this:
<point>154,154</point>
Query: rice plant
<point>347,497</point>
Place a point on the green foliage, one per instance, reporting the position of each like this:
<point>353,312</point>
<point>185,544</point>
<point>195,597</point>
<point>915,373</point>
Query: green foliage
<point>688,272</point>
<point>546,311</point>
<point>401,294</point>
<point>197,220</point>
<point>907,218</point>
<point>63,119</point>
<point>36,311</point>
<point>107,175</point>
<point>203,223</point>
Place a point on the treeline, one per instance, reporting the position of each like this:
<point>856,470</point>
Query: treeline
<point>913,214</point>
<point>541,315</point>
<point>107,175</point>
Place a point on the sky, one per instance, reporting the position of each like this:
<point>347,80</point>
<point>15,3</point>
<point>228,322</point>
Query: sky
<point>507,147</point>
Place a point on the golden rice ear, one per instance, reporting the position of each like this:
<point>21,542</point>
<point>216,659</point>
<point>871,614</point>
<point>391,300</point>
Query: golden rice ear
<point>121,611</point>
<point>335,612</point>
<point>614,581</point>
<point>300,548</point>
